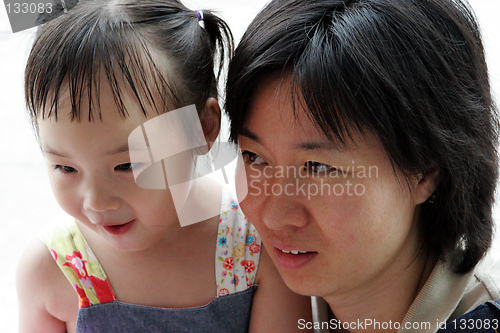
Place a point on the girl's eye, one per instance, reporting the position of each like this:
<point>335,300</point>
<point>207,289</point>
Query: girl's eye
<point>124,167</point>
<point>318,168</point>
<point>64,168</point>
<point>252,158</point>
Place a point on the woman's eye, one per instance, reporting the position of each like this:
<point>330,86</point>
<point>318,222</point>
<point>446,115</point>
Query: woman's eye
<point>318,168</point>
<point>64,168</point>
<point>252,158</point>
<point>124,167</point>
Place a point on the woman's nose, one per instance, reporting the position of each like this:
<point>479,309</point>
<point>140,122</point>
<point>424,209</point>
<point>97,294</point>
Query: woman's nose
<point>283,205</point>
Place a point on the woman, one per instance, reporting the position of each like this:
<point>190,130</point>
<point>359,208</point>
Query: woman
<point>369,134</point>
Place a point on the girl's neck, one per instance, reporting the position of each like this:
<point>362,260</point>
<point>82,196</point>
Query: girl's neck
<point>174,241</point>
<point>204,200</point>
<point>385,300</point>
<point>176,271</point>
<point>202,203</point>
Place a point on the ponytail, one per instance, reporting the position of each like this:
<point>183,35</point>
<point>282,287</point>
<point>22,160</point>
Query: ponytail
<point>165,55</point>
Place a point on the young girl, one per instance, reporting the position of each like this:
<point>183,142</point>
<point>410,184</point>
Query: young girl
<point>96,73</point>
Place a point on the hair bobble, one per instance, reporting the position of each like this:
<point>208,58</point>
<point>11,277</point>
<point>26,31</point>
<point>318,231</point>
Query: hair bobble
<point>59,8</point>
<point>66,5</point>
<point>65,8</point>
<point>200,18</point>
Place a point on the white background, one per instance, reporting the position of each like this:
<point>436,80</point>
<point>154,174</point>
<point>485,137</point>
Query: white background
<point>26,201</point>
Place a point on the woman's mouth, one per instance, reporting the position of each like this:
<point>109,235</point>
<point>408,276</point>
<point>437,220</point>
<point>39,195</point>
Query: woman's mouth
<point>293,259</point>
<point>294,251</point>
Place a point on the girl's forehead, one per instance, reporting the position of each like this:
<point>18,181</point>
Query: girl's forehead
<point>139,83</point>
<point>72,138</point>
<point>102,101</point>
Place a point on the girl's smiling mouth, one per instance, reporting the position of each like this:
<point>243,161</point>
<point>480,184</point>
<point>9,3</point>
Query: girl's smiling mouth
<point>118,229</point>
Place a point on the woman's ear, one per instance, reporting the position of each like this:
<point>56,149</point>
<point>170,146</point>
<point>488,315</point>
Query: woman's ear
<point>210,118</point>
<point>427,184</point>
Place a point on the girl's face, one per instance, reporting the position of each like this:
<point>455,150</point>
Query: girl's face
<point>91,176</point>
<point>335,219</point>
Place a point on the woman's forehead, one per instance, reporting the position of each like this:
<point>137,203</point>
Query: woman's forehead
<point>280,109</point>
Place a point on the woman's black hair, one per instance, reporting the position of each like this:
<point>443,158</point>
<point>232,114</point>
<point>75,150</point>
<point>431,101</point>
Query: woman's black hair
<point>411,71</point>
<point>157,47</point>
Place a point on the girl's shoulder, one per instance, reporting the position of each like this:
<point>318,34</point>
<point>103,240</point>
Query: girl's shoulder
<point>238,248</point>
<point>74,257</point>
<point>231,214</point>
<point>43,291</point>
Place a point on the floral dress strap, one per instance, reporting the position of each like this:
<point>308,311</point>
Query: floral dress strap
<point>78,263</point>
<point>238,248</point>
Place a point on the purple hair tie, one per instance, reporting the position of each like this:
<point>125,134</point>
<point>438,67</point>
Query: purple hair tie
<point>200,18</point>
<point>200,14</point>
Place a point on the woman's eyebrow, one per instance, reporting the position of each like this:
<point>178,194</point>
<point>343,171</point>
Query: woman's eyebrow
<point>323,144</point>
<point>249,134</point>
<point>319,145</point>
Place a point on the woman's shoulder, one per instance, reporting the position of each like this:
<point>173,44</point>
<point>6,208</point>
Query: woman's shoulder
<point>483,286</point>
<point>487,274</point>
<point>479,307</point>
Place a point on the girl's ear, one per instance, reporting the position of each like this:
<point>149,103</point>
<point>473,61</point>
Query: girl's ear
<point>210,120</point>
<point>427,184</point>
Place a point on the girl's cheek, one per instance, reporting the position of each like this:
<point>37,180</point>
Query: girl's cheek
<point>65,194</point>
<point>70,206</point>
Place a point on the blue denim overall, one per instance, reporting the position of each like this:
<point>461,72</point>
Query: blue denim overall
<point>229,313</point>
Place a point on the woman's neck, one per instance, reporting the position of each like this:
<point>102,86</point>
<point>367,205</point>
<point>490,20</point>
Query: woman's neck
<point>385,300</point>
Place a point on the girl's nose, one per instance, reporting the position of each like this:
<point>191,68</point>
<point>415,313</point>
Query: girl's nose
<point>99,196</point>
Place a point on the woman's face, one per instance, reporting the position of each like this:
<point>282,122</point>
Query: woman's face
<point>334,218</point>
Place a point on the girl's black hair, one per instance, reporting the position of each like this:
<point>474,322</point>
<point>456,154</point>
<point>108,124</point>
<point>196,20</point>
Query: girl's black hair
<point>156,47</point>
<point>411,71</point>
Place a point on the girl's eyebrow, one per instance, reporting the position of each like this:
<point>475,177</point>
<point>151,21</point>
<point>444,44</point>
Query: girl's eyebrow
<point>119,150</point>
<point>52,152</point>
